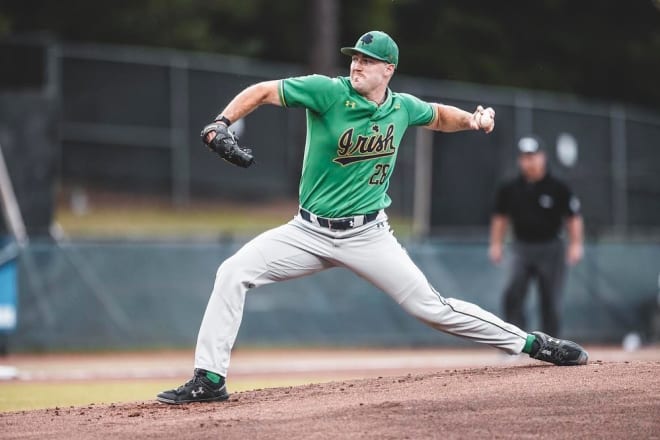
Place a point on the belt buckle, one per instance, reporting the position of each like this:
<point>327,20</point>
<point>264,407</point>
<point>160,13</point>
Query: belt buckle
<point>342,225</point>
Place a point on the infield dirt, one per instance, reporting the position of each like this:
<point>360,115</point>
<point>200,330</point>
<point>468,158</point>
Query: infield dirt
<point>606,400</point>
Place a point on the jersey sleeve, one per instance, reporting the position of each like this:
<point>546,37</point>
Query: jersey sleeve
<point>570,202</point>
<point>501,205</point>
<point>315,92</point>
<point>419,112</point>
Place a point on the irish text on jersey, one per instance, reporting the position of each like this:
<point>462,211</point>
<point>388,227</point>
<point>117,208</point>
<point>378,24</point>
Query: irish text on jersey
<point>359,148</point>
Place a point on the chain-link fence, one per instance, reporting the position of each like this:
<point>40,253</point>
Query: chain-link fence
<point>131,116</point>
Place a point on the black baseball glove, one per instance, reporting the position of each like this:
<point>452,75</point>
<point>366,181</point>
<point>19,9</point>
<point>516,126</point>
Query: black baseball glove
<point>226,146</point>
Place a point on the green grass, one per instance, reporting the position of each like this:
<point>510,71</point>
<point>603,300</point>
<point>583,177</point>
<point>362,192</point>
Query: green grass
<point>23,396</point>
<point>35,395</point>
<point>149,221</point>
<point>158,221</point>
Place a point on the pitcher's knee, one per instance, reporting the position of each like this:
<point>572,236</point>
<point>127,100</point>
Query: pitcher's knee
<point>431,309</point>
<point>233,271</point>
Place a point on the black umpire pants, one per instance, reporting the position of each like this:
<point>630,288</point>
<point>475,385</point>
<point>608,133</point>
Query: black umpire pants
<point>544,263</point>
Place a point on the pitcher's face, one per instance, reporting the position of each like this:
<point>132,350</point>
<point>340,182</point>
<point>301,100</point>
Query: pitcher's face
<point>368,74</point>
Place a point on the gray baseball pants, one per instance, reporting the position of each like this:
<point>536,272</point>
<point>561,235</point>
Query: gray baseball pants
<point>301,248</point>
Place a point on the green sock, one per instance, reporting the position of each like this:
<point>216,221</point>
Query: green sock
<point>215,378</point>
<point>529,343</point>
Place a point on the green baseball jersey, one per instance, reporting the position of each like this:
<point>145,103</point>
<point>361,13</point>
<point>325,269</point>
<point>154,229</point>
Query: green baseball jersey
<point>352,143</point>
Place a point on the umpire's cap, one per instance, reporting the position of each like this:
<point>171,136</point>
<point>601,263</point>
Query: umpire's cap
<point>375,44</point>
<point>530,144</point>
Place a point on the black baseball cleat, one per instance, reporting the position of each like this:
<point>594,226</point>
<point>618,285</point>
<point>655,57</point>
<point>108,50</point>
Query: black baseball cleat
<point>558,351</point>
<point>197,389</point>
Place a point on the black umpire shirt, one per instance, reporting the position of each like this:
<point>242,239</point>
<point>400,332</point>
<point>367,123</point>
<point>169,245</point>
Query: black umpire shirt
<point>536,209</point>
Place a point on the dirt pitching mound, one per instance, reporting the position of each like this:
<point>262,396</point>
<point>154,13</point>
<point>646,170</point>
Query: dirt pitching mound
<point>599,400</point>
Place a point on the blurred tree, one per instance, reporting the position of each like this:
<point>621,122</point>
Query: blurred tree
<point>584,47</point>
<point>598,48</point>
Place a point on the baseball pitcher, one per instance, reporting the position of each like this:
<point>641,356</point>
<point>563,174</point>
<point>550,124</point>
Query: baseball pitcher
<point>354,129</point>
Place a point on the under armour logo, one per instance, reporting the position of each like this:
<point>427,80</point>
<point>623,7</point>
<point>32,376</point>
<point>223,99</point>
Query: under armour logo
<point>351,223</point>
<point>350,104</point>
<point>199,390</point>
<point>366,39</point>
<point>375,128</point>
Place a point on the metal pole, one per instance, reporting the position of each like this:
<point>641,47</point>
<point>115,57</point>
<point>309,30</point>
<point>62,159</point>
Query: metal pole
<point>523,123</point>
<point>619,168</point>
<point>10,208</point>
<point>323,56</point>
<point>178,130</point>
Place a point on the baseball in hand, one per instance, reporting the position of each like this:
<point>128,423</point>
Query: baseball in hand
<point>486,120</point>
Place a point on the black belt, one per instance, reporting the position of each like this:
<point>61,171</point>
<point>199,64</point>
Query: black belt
<point>339,224</point>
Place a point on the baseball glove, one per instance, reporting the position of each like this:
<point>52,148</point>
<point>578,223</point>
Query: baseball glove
<point>225,145</point>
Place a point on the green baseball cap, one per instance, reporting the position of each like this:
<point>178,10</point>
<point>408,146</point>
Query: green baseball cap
<point>375,44</point>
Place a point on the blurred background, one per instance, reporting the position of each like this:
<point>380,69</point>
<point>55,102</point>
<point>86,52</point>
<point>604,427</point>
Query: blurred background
<point>116,217</point>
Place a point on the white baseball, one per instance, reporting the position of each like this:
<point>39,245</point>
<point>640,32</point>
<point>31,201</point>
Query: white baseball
<point>486,120</point>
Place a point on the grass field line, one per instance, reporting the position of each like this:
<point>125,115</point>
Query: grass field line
<point>108,366</point>
<point>268,367</point>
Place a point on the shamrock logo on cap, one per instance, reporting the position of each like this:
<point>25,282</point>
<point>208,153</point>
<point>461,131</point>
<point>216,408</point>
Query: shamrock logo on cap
<point>366,39</point>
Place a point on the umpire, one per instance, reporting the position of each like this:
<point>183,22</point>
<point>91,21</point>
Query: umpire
<point>538,205</point>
